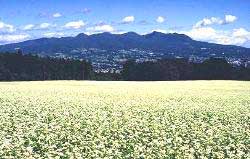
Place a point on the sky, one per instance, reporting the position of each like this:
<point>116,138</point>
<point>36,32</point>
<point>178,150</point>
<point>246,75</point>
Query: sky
<point>218,21</point>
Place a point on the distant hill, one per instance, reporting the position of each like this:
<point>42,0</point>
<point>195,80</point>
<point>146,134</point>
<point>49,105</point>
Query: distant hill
<point>178,44</point>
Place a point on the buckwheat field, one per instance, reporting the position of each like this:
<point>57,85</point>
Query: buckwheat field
<point>82,119</point>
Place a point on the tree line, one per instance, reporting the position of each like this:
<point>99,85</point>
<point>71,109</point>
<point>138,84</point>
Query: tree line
<point>182,69</point>
<point>19,67</point>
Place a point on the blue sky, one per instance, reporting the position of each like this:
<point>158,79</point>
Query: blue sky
<point>218,21</point>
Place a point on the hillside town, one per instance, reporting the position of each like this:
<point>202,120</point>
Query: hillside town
<point>112,61</point>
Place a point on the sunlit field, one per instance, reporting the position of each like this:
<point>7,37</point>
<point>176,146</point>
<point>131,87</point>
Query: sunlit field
<point>69,119</point>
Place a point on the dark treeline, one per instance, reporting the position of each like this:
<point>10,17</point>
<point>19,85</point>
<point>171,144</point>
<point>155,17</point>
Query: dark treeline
<point>181,69</point>
<point>18,67</point>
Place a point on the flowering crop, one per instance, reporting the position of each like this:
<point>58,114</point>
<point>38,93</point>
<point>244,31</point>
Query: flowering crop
<point>69,119</point>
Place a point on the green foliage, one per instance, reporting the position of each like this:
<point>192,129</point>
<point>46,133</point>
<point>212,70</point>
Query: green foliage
<point>182,69</point>
<point>18,67</point>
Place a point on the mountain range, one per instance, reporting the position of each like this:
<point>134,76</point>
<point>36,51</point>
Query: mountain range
<point>178,44</point>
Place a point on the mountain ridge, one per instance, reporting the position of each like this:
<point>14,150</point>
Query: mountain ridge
<point>179,44</point>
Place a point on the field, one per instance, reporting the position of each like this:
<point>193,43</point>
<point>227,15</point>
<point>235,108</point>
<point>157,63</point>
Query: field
<point>74,119</point>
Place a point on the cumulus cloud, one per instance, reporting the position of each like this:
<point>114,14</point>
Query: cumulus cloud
<point>241,32</point>
<point>42,26</point>
<point>11,38</point>
<point>29,27</point>
<point>203,34</point>
<point>160,19</point>
<point>242,35</point>
<point>75,24</point>
<point>230,19</point>
<point>57,15</point>
<point>6,28</point>
<point>235,37</point>
<point>128,19</point>
<point>53,34</point>
<point>215,20</point>
<point>208,21</point>
<point>45,26</point>
<point>101,28</point>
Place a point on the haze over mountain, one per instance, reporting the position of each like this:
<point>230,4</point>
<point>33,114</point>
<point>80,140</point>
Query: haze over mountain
<point>177,44</point>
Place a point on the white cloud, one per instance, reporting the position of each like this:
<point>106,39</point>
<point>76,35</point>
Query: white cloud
<point>11,38</point>
<point>57,15</point>
<point>234,37</point>
<point>6,28</point>
<point>128,19</point>
<point>208,21</point>
<point>215,20</point>
<point>29,27</point>
<point>44,26</point>
<point>242,35</point>
<point>160,19</point>
<point>203,34</point>
<point>241,32</point>
<point>101,28</point>
<point>53,34</point>
<point>75,24</point>
<point>230,18</point>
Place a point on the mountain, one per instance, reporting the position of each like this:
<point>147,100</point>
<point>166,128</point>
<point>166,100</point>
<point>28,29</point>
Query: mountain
<point>177,44</point>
